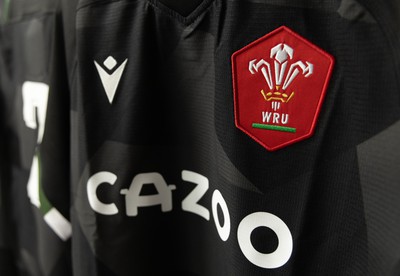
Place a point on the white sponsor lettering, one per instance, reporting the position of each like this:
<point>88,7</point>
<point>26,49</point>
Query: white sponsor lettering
<point>285,242</point>
<point>134,199</point>
<point>93,183</point>
<point>224,230</point>
<point>190,203</point>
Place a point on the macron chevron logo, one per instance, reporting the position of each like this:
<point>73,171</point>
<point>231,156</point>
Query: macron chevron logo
<point>110,80</point>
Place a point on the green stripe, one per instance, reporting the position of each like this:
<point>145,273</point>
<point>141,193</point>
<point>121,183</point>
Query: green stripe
<point>272,127</point>
<point>45,205</point>
<point>5,10</point>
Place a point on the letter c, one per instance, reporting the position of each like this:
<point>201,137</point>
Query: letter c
<point>93,183</point>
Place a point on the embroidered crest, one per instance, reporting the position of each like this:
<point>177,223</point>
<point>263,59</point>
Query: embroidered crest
<point>279,85</point>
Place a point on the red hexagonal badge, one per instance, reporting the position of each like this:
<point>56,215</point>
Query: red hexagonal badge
<point>279,85</point>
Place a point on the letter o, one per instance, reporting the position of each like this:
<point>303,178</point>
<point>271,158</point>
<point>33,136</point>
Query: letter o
<point>285,242</point>
<point>224,230</point>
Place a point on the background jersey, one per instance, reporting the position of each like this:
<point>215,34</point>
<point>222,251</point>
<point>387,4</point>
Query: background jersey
<point>163,183</point>
<point>7,264</point>
<point>35,140</point>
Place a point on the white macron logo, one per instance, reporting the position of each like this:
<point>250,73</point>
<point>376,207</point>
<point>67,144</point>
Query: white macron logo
<point>110,81</point>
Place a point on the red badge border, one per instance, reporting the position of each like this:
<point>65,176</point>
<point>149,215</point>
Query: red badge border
<point>321,99</point>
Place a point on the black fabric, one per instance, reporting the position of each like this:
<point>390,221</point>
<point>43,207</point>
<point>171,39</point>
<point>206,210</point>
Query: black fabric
<point>7,259</point>
<point>171,125</point>
<point>173,111</point>
<point>183,7</point>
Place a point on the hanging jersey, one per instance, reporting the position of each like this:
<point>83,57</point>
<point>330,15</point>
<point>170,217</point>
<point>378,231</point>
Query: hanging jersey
<point>36,136</point>
<point>241,138</point>
<point>199,137</point>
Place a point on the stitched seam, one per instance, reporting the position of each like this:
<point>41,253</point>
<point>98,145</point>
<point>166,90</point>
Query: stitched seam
<point>169,12</point>
<point>202,9</point>
<point>185,20</point>
<point>95,2</point>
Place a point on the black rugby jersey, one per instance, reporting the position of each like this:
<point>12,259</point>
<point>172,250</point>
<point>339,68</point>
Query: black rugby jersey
<point>164,183</point>
<point>236,137</point>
